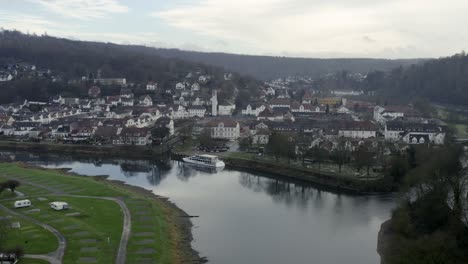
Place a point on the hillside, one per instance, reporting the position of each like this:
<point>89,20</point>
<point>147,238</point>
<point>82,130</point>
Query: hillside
<point>267,67</point>
<point>443,81</point>
<point>69,61</point>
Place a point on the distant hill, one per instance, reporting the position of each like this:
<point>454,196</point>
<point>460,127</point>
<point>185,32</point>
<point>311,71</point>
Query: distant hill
<point>443,81</point>
<point>72,60</point>
<point>266,67</point>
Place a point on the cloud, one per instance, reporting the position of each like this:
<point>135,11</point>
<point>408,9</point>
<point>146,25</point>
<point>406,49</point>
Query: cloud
<point>325,27</point>
<point>368,39</point>
<point>28,23</point>
<point>83,9</point>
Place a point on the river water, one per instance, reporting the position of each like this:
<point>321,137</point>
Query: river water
<point>249,217</point>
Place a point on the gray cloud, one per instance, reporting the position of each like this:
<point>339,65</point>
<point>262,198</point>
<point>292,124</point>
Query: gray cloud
<point>326,27</point>
<point>82,9</point>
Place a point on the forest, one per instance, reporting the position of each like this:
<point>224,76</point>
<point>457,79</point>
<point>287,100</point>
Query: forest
<point>72,60</point>
<point>443,81</point>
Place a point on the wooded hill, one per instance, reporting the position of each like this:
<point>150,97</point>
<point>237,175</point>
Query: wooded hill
<point>72,60</point>
<point>268,67</point>
<point>443,81</point>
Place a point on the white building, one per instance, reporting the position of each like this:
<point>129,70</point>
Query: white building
<point>146,101</point>
<point>196,111</point>
<point>347,92</point>
<point>151,86</point>
<point>224,129</point>
<point>414,133</point>
<point>388,113</point>
<point>253,110</point>
<point>195,87</point>
<point>180,113</point>
<point>6,77</point>
<point>180,86</point>
<point>226,110</point>
<point>358,129</point>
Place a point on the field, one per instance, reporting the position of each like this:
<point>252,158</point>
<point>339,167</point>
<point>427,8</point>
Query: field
<point>92,227</point>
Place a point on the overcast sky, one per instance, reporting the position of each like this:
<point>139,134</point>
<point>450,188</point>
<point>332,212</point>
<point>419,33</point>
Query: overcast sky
<point>309,28</point>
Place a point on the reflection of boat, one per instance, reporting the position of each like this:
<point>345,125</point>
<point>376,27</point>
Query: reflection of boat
<point>205,160</point>
<point>202,168</point>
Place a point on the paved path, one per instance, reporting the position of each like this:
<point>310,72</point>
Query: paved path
<point>57,256</point>
<point>53,257</point>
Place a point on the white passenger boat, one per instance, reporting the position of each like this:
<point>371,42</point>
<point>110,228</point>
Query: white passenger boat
<point>205,160</point>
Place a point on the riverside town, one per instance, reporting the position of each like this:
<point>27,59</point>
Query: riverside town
<point>162,133</point>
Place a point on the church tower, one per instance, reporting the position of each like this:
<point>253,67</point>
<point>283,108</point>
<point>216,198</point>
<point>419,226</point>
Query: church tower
<point>214,103</point>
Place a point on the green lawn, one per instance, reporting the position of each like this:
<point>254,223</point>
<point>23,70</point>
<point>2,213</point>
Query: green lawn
<point>100,220</point>
<point>33,238</point>
<point>159,228</point>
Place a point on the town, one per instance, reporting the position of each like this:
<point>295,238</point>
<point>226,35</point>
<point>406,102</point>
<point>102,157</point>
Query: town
<point>313,119</point>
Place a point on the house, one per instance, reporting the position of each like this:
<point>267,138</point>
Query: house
<point>261,137</point>
<point>133,136</point>
<point>69,101</point>
<point>226,109</point>
<point>383,114</point>
<point>414,133</point>
<point>126,93</point>
<point>61,132</point>
<point>119,113</point>
<point>106,134</point>
<point>151,86</point>
<point>180,86</point>
<point>94,91</point>
<point>145,101</point>
<point>196,111</point>
<point>347,92</point>
<point>357,129</point>
<point>343,110</point>
<point>181,101</point>
<point>180,113</point>
<point>301,108</point>
<point>280,102</point>
<point>308,97</point>
<point>266,114</point>
<point>331,101</point>
<point>270,91</point>
<point>127,101</point>
<point>195,87</point>
<point>6,129</point>
<point>253,109</point>
<point>6,77</point>
<point>113,100</point>
<point>204,79</point>
<point>198,101</point>
<point>224,129</point>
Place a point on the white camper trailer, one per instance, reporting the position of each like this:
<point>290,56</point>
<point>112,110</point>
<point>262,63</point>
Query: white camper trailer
<point>22,203</point>
<point>58,206</point>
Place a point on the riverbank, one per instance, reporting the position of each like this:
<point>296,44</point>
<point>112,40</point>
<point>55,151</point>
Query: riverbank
<point>333,182</point>
<point>108,151</point>
<point>172,241</point>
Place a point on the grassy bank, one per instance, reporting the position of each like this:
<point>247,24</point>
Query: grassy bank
<point>93,226</point>
<point>327,175</point>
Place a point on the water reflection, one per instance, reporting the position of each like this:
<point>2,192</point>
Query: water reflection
<point>248,217</point>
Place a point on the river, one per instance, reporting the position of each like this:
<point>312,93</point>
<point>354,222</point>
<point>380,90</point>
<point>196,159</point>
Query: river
<point>249,217</point>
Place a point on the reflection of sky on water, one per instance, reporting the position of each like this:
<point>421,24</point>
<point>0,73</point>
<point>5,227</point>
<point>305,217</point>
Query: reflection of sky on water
<point>247,218</point>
